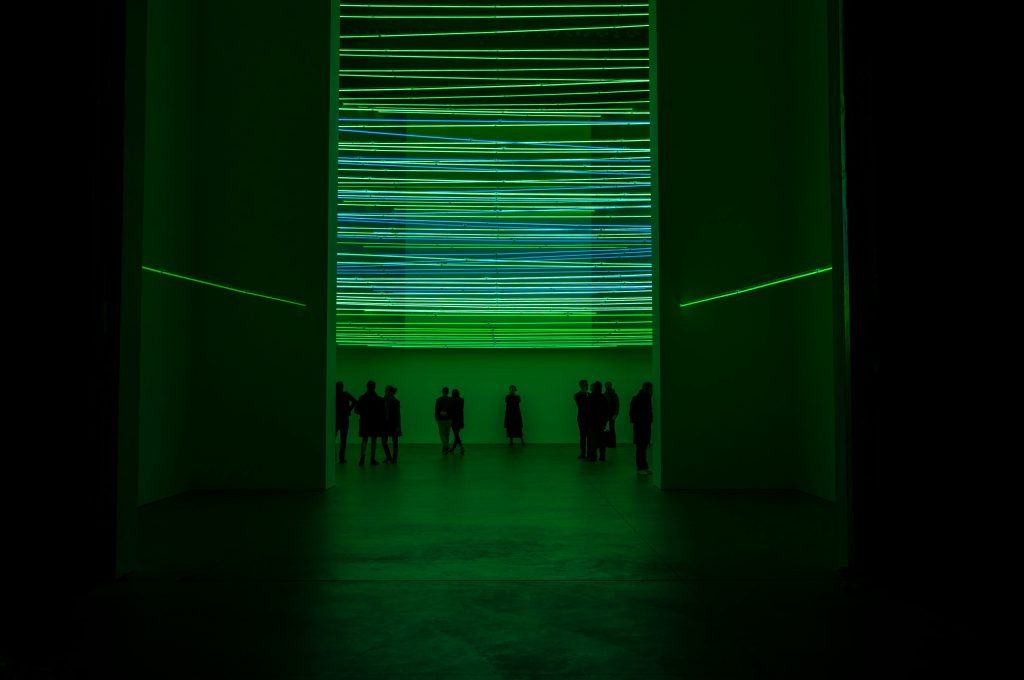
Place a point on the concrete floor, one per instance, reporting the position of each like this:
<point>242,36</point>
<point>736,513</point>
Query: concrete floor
<point>504,563</point>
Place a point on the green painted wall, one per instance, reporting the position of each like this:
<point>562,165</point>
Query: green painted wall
<point>237,190</point>
<point>743,178</point>
<point>546,380</point>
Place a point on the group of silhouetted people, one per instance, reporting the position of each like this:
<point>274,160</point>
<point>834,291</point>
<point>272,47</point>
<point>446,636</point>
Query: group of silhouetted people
<point>379,418</point>
<point>597,407</point>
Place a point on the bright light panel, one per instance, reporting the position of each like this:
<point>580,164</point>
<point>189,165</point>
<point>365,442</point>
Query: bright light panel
<point>494,176</point>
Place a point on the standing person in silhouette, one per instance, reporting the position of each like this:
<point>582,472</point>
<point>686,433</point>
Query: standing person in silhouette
<point>513,416</point>
<point>597,420</point>
<point>370,407</point>
<point>343,405</point>
<point>458,421</point>
<point>581,417</point>
<point>612,397</point>
<point>641,415</point>
<point>443,416</point>
<point>392,424</point>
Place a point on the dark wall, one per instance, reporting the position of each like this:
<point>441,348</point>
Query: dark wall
<point>62,324</point>
<point>927,443</point>
<point>744,177</point>
<point>232,135</point>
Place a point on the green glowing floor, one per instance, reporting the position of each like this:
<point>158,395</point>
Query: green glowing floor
<point>505,563</point>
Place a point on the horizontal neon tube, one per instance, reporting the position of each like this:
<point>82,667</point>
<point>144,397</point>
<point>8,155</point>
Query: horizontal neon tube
<point>775,282</point>
<point>353,71</point>
<point>499,224</point>
<point>222,287</point>
<point>533,82</point>
<point>497,32</point>
<point>486,141</point>
<point>503,51</point>
<point>491,121</point>
<point>429,6</point>
<point>493,16</point>
<point>491,96</point>
<point>462,58</point>
<point>568,113</point>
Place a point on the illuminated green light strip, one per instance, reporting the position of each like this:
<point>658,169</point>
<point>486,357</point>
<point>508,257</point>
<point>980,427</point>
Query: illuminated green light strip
<point>494,16</point>
<point>566,82</point>
<point>502,51</point>
<point>545,6</point>
<point>533,79</point>
<point>568,113</point>
<point>217,285</point>
<point>510,30</point>
<point>493,96</point>
<point>820,270</point>
<point>349,72</point>
<point>428,56</point>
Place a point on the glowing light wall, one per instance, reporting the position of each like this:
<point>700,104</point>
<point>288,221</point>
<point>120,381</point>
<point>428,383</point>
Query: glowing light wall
<point>494,176</point>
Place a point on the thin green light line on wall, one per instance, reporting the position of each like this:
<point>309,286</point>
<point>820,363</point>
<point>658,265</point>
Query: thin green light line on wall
<point>820,270</point>
<point>217,285</point>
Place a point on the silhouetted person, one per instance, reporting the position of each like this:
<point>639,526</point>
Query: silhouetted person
<point>392,424</point>
<point>597,420</point>
<point>641,415</point>
<point>443,416</point>
<point>612,397</point>
<point>370,407</point>
<point>581,417</point>
<point>458,420</point>
<point>343,405</point>
<point>513,416</point>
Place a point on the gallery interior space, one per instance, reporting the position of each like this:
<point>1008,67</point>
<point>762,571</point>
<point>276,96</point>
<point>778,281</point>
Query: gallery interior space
<point>709,197</point>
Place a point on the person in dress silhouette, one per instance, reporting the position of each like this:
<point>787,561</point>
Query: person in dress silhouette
<point>581,417</point>
<point>458,421</point>
<point>392,424</point>
<point>443,416</point>
<point>513,416</point>
<point>343,405</point>
<point>597,421</point>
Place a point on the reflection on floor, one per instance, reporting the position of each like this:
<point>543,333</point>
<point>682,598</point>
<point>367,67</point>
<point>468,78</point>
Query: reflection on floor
<point>507,562</point>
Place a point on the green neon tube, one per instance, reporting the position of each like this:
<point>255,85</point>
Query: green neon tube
<point>494,16</point>
<point>820,270</point>
<point>546,6</point>
<point>490,96</point>
<point>504,51</point>
<point>490,70</point>
<point>510,30</point>
<point>344,53</point>
<point>217,285</point>
<point>533,83</point>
